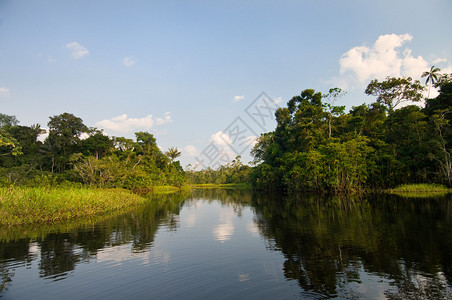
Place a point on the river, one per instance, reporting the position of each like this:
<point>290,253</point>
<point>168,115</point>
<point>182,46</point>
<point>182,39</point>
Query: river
<point>230,244</point>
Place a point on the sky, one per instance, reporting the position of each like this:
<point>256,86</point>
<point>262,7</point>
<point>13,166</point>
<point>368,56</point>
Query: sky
<point>206,76</point>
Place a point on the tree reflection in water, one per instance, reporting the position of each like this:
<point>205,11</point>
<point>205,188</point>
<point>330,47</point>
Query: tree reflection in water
<point>61,252</point>
<point>331,243</point>
<point>332,246</point>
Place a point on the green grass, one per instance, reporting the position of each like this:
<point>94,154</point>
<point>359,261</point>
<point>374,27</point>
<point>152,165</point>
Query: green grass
<point>40,229</point>
<point>420,190</point>
<point>21,205</point>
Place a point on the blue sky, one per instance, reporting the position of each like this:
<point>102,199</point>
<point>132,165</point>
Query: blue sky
<point>187,71</point>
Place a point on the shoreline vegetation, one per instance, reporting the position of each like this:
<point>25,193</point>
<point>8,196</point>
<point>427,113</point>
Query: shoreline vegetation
<point>41,205</point>
<point>31,205</point>
<point>420,190</point>
<point>316,146</point>
<point>98,206</point>
<point>50,205</point>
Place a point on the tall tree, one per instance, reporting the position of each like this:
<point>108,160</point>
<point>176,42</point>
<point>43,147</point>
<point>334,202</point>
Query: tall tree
<point>305,117</point>
<point>8,144</point>
<point>445,157</point>
<point>6,120</point>
<point>27,137</point>
<point>64,138</point>
<point>431,77</point>
<point>172,153</point>
<point>147,147</point>
<point>332,96</point>
<point>146,142</point>
<point>395,90</point>
<point>97,144</point>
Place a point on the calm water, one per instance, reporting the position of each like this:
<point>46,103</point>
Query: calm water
<point>234,244</point>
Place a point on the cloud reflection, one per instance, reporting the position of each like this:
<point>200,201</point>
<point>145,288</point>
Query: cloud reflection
<point>224,231</point>
<point>190,220</point>
<point>244,277</point>
<point>252,228</point>
<point>118,255</point>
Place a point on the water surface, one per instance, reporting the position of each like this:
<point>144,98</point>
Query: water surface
<point>238,244</point>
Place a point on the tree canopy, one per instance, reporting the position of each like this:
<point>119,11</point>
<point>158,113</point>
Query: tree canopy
<point>395,90</point>
<point>315,146</point>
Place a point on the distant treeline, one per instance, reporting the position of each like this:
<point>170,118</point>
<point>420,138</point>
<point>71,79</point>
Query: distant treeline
<point>316,146</point>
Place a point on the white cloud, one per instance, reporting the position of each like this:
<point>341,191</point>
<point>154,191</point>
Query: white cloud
<point>439,60</point>
<point>385,58</point>
<point>78,51</point>
<point>4,91</point>
<point>44,135</point>
<point>277,100</point>
<point>123,124</point>
<point>251,140</point>
<point>190,150</point>
<point>220,138</point>
<point>413,66</point>
<point>446,70</point>
<point>84,136</point>
<point>238,98</point>
<point>128,62</point>
<point>164,120</point>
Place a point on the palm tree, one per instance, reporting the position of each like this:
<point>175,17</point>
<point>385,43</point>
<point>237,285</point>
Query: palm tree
<point>172,153</point>
<point>431,76</point>
<point>36,131</point>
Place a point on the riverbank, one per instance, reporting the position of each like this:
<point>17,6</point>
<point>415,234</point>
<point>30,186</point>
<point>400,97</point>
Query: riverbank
<point>55,213</point>
<point>28,205</point>
<point>420,190</point>
<point>45,205</point>
<point>49,205</point>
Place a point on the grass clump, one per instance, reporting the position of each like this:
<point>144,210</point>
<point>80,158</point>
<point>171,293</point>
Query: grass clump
<point>420,190</point>
<point>25,205</point>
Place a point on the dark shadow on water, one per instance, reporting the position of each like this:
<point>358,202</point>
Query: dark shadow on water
<point>330,242</point>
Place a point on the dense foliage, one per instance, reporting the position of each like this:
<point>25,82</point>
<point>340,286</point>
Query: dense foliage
<point>96,160</point>
<point>317,146</point>
<point>74,153</point>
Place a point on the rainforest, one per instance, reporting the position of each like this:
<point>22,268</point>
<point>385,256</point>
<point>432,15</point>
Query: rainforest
<point>402,137</point>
